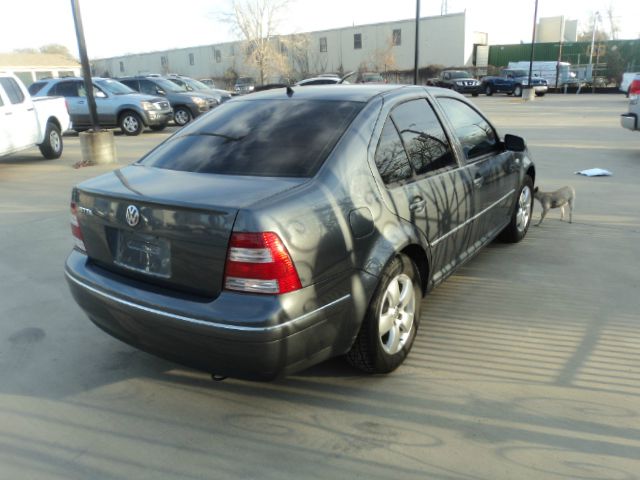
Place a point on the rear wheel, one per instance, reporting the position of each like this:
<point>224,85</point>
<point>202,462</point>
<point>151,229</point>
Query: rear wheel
<point>51,147</point>
<point>131,123</point>
<point>521,216</point>
<point>391,322</point>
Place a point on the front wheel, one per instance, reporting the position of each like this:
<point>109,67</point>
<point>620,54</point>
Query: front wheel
<point>51,146</point>
<point>182,116</point>
<point>391,322</point>
<point>488,90</point>
<point>521,216</point>
<point>517,91</point>
<point>131,124</point>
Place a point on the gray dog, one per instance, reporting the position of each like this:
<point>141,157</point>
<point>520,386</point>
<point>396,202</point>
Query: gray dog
<point>557,199</point>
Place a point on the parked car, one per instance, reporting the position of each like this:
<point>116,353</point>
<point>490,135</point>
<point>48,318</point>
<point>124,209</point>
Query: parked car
<point>186,105</point>
<point>319,81</point>
<point>208,82</point>
<point>457,80</point>
<point>27,122</point>
<point>512,82</point>
<point>369,77</point>
<point>630,120</point>
<point>627,78</point>
<point>284,228</point>
<point>117,105</point>
<point>191,85</point>
<point>244,85</point>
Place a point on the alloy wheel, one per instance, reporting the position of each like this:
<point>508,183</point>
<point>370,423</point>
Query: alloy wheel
<point>396,320</point>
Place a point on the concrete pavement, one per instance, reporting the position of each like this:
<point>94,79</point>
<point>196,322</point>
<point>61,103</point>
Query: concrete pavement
<point>526,365</point>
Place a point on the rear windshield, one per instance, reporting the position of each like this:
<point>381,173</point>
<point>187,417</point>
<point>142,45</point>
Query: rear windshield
<point>276,138</point>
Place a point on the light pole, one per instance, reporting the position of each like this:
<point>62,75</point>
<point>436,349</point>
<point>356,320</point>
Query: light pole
<point>530,91</point>
<point>415,62</point>
<point>593,41</point>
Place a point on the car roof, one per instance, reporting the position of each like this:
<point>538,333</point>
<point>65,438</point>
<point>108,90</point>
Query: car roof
<point>354,93</point>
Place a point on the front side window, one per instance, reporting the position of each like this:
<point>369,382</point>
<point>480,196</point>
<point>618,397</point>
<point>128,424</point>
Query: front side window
<point>12,89</point>
<point>472,130</point>
<point>391,158</point>
<point>424,138</point>
<point>323,44</point>
<point>357,41</point>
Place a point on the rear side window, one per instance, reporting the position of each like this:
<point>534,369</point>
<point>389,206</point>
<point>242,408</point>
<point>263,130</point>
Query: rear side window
<point>475,134</point>
<point>423,137</point>
<point>279,138</point>
<point>36,87</point>
<point>12,89</point>
<point>131,84</point>
<point>391,158</point>
<point>66,89</point>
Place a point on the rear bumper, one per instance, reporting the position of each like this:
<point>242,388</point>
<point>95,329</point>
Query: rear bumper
<point>629,121</point>
<point>239,335</point>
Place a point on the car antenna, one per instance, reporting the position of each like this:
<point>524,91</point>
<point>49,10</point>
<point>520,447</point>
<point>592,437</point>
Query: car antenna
<point>289,91</point>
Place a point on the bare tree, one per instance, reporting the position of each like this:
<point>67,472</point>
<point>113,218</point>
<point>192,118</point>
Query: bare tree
<point>614,26</point>
<point>257,21</point>
<point>586,35</point>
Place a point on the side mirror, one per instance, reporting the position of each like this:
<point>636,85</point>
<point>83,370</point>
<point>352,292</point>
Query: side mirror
<point>514,143</point>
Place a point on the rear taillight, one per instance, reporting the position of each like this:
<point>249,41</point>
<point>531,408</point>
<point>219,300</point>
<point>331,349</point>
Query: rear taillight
<point>75,228</point>
<point>634,88</point>
<point>259,263</point>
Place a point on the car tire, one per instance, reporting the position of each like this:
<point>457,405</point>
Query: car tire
<point>51,147</point>
<point>158,128</point>
<point>182,116</point>
<point>488,90</point>
<point>517,91</point>
<point>389,327</point>
<point>540,94</point>
<point>521,215</point>
<point>131,123</point>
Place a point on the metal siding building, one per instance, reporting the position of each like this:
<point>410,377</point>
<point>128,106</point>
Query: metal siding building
<point>444,40</point>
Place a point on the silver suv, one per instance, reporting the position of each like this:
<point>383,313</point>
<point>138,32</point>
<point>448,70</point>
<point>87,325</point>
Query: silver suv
<point>117,104</point>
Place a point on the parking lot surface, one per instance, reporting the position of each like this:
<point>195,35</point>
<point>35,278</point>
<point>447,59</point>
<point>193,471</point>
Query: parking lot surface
<point>526,365</point>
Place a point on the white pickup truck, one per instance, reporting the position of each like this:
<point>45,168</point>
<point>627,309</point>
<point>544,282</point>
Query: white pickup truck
<point>26,122</point>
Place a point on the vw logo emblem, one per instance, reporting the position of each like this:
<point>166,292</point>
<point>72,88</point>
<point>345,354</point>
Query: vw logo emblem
<point>132,216</point>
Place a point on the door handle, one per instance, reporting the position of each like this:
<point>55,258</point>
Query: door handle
<point>417,204</point>
<point>30,109</point>
<point>81,102</point>
<point>9,113</point>
<point>478,182</point>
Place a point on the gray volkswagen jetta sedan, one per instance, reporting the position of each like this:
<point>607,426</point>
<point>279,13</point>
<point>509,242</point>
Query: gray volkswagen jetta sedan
<point>294,225</point>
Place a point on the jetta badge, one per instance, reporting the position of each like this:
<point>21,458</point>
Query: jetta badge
<point>132,216</point>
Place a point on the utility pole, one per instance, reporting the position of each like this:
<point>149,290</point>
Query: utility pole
<point>415,64</point>
<point>84,60</point>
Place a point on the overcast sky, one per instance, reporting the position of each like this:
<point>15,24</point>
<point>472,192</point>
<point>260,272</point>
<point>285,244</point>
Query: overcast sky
<point>116,27</point>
